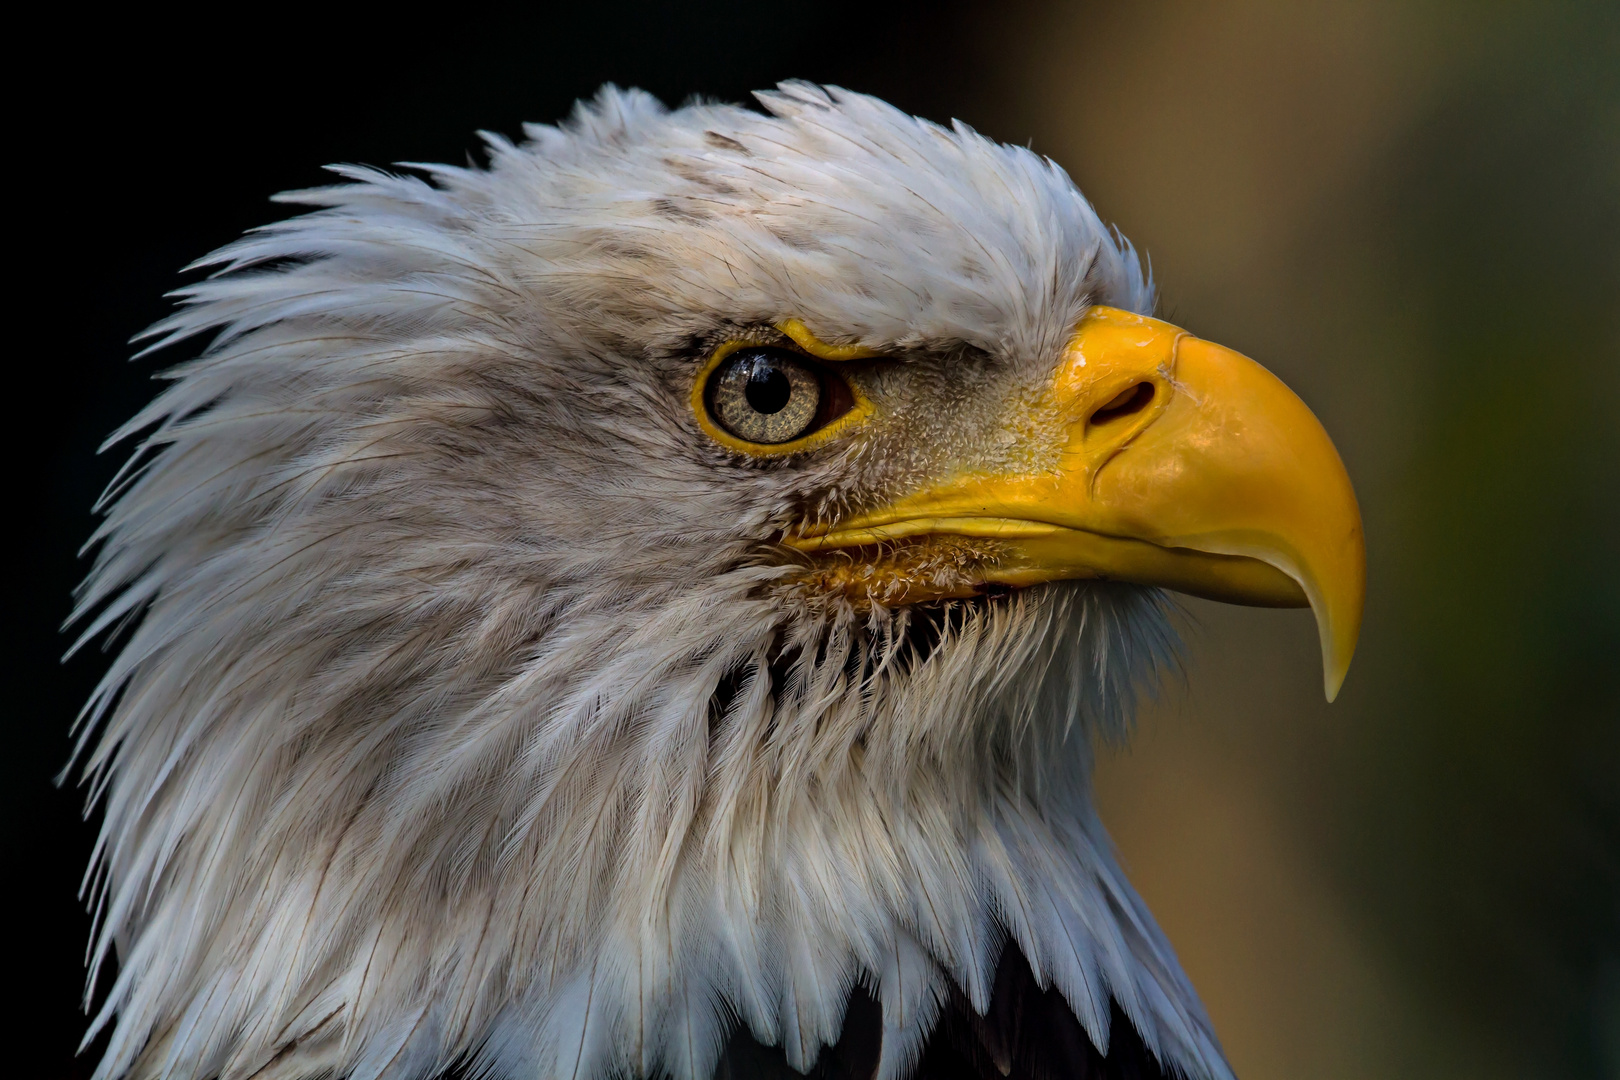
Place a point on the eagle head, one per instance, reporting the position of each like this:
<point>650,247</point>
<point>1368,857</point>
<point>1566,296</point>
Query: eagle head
<point>656,596</point>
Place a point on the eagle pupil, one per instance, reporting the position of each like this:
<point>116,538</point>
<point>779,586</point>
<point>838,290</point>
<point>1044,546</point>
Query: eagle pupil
<point>768,388</point>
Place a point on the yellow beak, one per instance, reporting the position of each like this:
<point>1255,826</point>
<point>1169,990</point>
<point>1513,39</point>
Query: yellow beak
<point>1184,465</point>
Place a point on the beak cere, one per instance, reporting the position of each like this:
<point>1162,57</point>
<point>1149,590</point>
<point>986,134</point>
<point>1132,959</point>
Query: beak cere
<point>1185,465</point>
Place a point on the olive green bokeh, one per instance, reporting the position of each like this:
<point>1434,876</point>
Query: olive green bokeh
<point>1412,213</point>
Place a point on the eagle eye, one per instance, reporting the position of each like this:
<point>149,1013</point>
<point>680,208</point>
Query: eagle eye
<point>768,396</point>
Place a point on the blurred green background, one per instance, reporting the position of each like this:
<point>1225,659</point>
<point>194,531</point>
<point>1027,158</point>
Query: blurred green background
<point>1410,211</point>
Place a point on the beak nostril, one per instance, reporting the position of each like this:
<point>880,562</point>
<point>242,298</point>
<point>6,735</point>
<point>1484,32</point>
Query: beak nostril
<point>1128,402</point>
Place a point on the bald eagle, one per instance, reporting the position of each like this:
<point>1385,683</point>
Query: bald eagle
<point>647,608</point>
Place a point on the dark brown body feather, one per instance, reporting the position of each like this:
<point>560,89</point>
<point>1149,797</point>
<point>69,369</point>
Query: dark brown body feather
<point>1027,1034</point>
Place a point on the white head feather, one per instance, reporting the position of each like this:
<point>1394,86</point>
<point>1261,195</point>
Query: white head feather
<point>470,713</point>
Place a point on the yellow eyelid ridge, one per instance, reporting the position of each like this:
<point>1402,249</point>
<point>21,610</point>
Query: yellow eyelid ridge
<point>804,339</point>
<point>700,410</point>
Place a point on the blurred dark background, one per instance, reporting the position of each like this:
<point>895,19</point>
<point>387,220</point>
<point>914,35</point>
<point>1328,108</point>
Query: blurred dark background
<point>1410,211</point>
